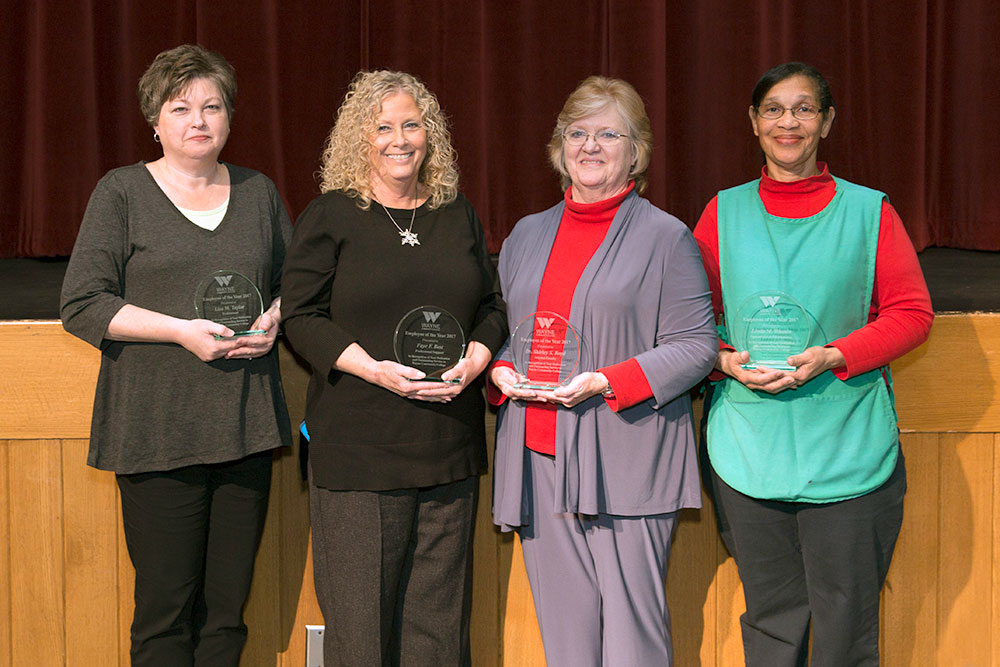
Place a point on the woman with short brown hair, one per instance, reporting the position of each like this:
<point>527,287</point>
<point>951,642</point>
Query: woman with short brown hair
<point>186,412</point>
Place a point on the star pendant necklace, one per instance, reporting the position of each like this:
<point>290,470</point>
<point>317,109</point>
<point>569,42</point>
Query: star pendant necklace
<point>409,237</point>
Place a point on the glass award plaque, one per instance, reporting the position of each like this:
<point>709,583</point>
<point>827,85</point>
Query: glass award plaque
<point>545,349</point>
<point>230,299</point>
<point>771,326</point>
<point>430,339</point>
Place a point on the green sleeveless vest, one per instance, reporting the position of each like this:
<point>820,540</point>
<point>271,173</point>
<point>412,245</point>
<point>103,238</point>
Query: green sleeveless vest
<point>830,439</point>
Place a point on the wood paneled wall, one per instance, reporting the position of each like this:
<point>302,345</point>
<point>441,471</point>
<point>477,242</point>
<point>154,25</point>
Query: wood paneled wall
<point>65,577</point>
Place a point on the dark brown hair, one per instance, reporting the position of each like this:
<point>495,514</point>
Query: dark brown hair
<point>172,71</point>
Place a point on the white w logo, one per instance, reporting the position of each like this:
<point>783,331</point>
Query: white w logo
<point>431,317</point>
<point>223,280</point>
<point>545,322</point>
<point>770,301</point>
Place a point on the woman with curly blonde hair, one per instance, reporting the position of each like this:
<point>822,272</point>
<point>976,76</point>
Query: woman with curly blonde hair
<point>346,163</point>
<point>394,458</point>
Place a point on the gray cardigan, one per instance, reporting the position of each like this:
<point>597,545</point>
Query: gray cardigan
<point>643,295</point>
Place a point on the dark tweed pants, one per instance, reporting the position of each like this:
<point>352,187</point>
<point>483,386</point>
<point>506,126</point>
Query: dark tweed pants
<point>818,564</point>
<point>192,534</point>
<point>393,574</point>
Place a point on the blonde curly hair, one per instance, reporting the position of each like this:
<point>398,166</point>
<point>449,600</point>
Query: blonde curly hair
<point>347,155</point>
<point>592,96</point>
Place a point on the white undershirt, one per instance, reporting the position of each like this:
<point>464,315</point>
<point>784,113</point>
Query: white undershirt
<point>206,219</point>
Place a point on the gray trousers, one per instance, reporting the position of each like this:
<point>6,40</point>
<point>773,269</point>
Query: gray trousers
<point>805,564</point>
<point>393,574</point>
<point>597,581</point>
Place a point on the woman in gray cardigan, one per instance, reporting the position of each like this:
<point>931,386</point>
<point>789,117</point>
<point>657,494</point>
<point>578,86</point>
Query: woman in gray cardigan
<point>591,474</point>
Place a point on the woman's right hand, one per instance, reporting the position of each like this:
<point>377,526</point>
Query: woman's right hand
<point>140,325</point>
<point>397,378</point>
<point>771,380</point>
<point>505,377</point>
<point>199,338</point>
<point>403,380</point>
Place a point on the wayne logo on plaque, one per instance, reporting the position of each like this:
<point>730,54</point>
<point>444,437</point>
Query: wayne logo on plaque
<point>772,326</point>
<point>231,299</point>
<point>546,350</point>
<point>429,339</point>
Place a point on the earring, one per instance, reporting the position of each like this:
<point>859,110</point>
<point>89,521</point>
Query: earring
<point>156,136</point>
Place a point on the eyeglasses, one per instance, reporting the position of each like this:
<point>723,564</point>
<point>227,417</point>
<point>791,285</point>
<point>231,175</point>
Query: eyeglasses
<point>799,111</point>
<point>578,137</point>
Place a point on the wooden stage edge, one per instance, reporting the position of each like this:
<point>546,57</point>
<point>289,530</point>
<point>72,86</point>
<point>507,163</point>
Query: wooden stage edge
<point>69,596</point>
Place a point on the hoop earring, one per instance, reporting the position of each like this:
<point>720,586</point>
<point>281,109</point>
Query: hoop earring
<point>156,137</point>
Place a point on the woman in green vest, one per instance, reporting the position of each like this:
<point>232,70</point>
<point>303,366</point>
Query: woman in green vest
<point>816,288</point>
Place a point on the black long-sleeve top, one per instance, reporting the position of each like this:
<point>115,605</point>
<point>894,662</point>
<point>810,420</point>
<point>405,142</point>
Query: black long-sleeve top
<point>347,278</point>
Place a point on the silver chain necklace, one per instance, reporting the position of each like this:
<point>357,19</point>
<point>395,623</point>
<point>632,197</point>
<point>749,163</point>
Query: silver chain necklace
<point>409,238</point>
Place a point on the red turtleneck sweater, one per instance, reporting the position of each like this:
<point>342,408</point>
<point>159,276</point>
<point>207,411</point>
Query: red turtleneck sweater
<point>581,231</point>
<point>900,315</point>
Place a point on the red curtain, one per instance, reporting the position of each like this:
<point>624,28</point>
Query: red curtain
<point>917,86</point>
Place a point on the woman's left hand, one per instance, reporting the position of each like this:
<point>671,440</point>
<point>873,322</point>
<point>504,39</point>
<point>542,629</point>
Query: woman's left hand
<point>477,356</point>
<point>577,390</point>
<point>812,361</point>
<point>258,345</point>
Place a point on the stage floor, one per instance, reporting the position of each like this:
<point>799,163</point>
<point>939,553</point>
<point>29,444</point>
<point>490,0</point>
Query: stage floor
<point>960,281</point>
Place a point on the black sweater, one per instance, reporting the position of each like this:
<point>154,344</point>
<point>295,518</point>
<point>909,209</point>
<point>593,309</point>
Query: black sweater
<point>347,279</point>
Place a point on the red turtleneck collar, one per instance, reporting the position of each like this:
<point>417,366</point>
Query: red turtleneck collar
<point>797,199</point>
<point>598,210</point>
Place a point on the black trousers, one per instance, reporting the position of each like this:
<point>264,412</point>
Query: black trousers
<point>192,534</point>
<point>393,574</point>
<point>819,564</point>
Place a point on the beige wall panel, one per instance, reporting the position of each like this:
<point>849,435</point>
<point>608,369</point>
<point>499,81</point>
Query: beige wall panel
<point>4,554</point>
<point>690,598</point>
<point>729,599</point>
<point>722,643</point>
<point>263,605</point>
<point>951,382</point>
<point>307,612</point>
<point>909,599</point>
<point>966,538</point>
<point>522,641</point>
<point>38,627</point>
<point>55,374</point>
<point>90,550</point>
